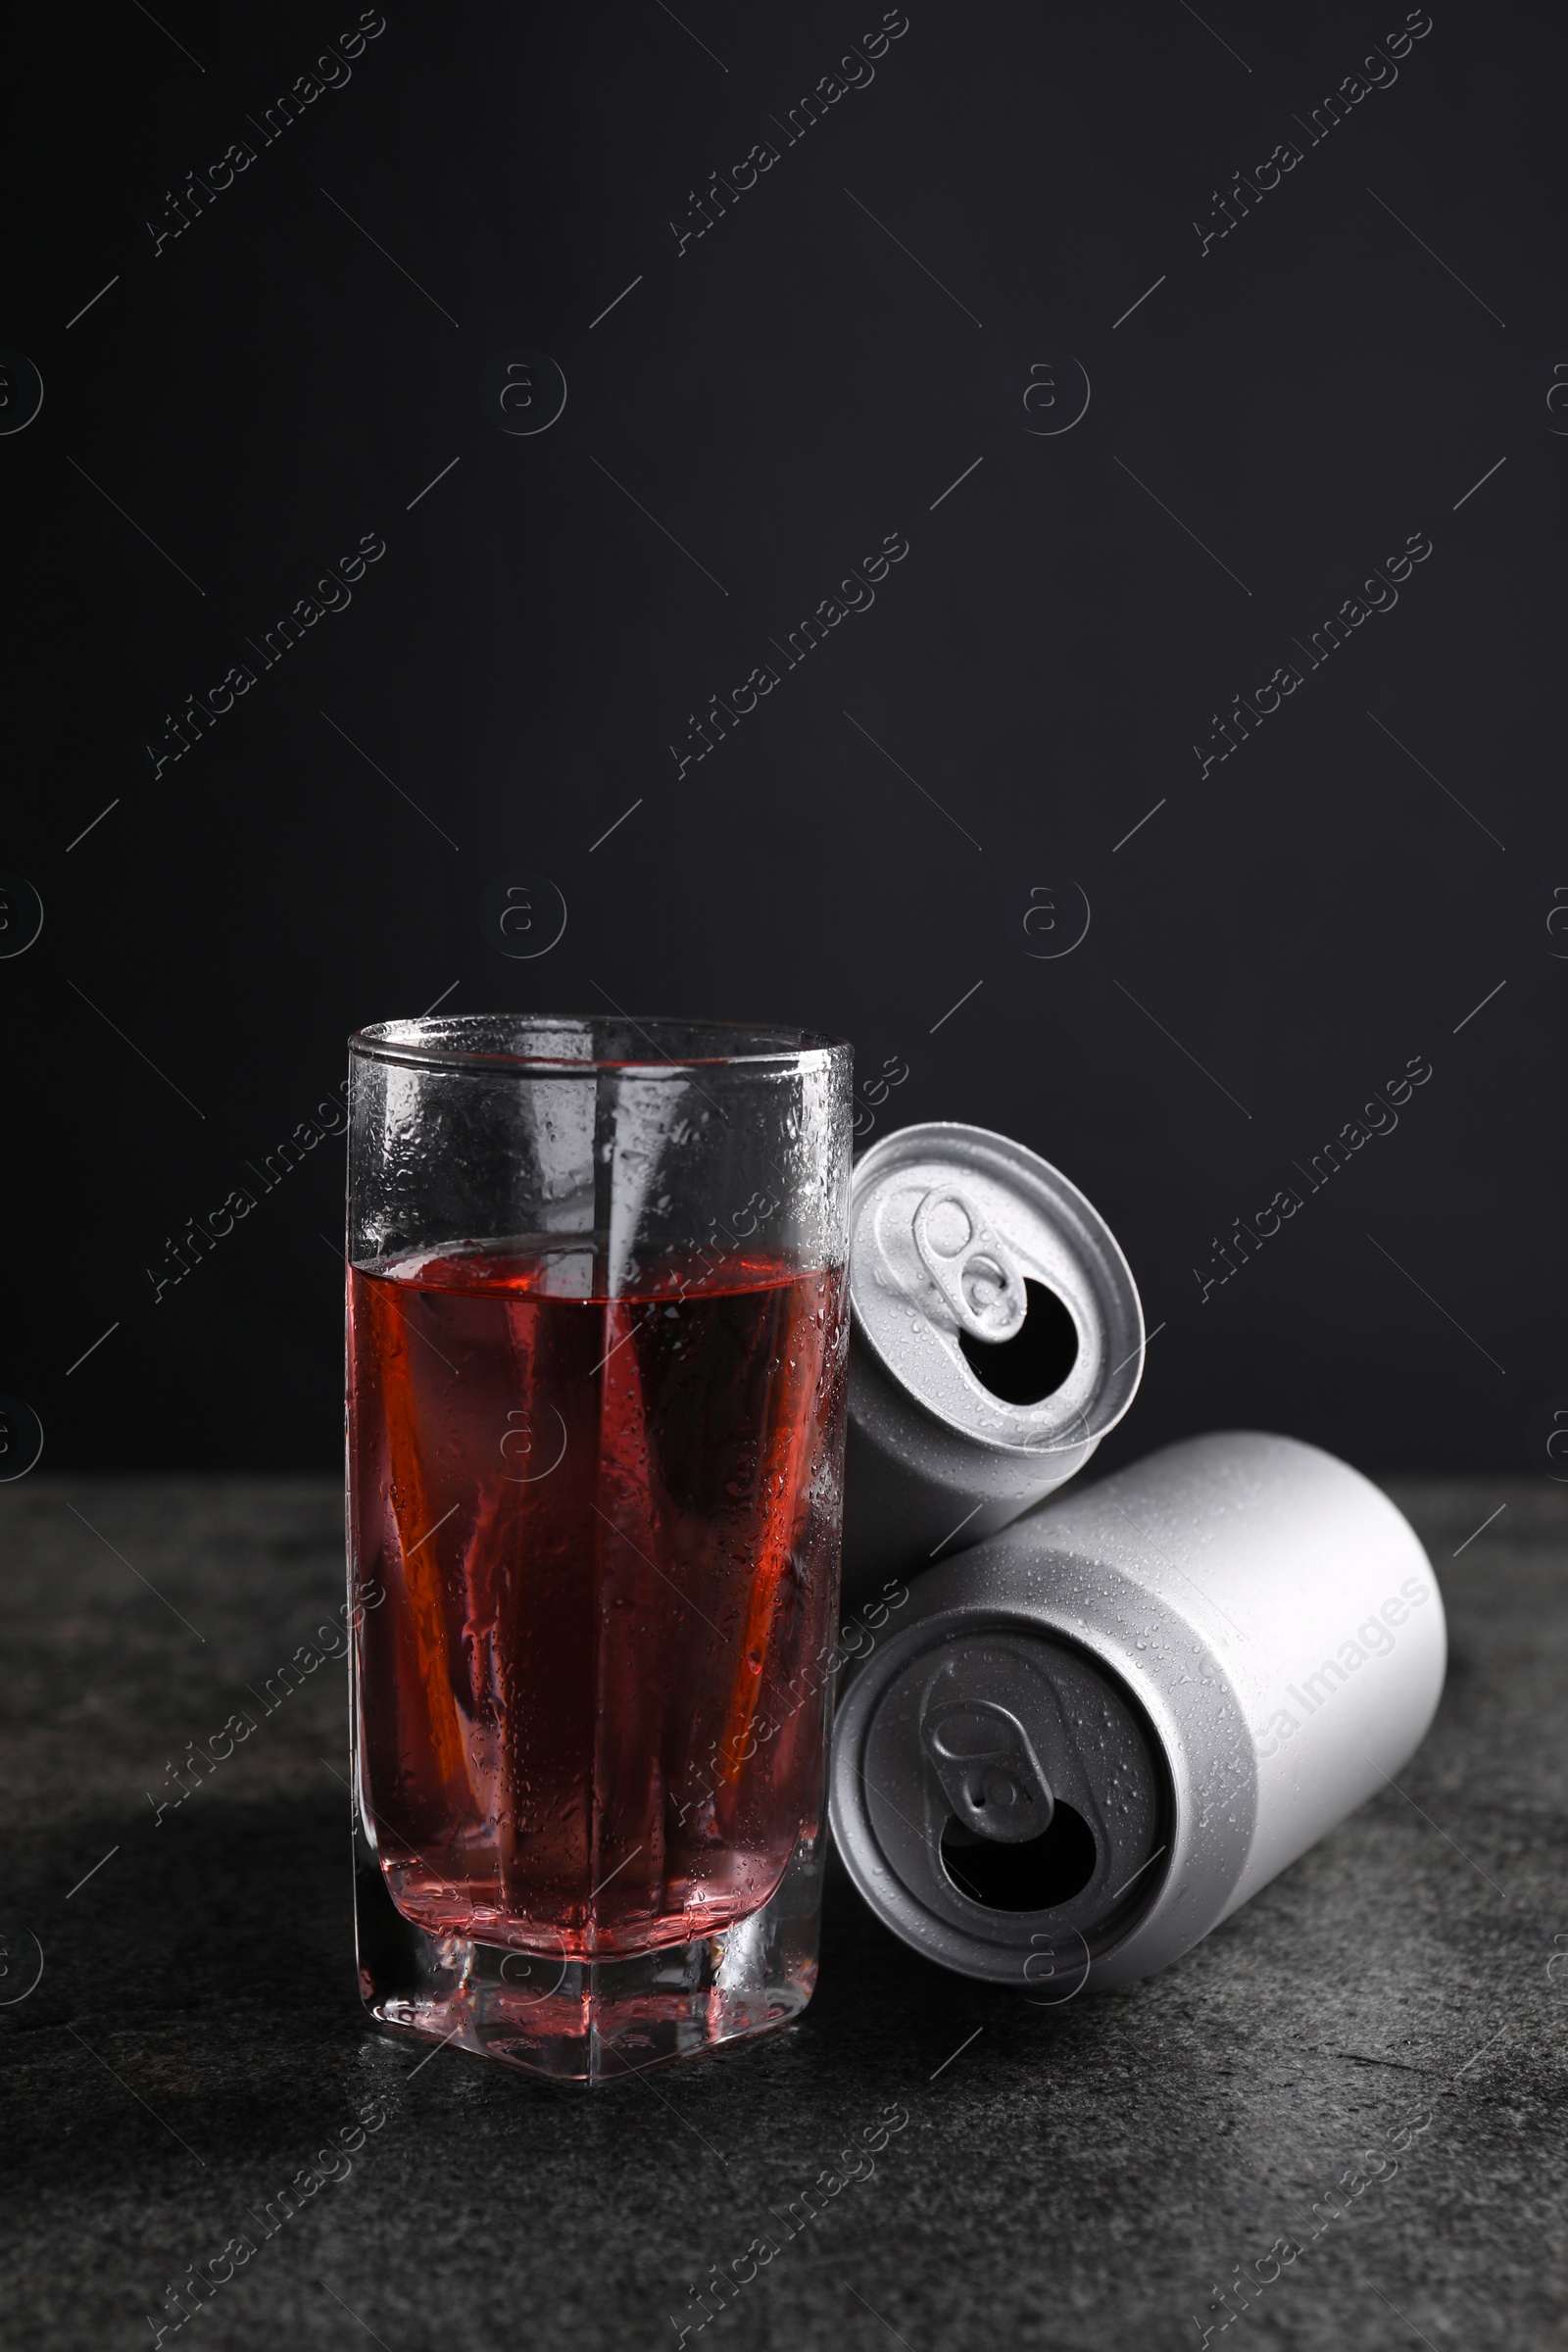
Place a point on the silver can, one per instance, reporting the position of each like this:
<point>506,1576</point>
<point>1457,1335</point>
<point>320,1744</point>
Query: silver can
<point>996,1336</point>
<point>1098,1733</point>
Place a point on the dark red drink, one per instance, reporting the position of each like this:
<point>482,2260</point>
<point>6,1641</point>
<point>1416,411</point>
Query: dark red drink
<point>591,1703</point>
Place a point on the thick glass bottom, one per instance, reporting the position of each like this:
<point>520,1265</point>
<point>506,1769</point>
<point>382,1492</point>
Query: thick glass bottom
<point>584,2022</point>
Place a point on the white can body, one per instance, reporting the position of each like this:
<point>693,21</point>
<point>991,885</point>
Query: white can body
<point>1276,1625</point>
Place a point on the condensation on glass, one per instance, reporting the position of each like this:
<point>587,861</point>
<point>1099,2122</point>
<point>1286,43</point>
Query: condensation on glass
<point>596,1372</point>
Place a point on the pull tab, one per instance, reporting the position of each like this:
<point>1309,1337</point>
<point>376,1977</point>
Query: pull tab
<point>989,1772</point>
<point>969,1264</point>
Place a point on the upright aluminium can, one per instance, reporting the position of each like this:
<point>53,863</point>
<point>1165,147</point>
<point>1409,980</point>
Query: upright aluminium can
<point>1099,1732</point>
<point>995,1337</point>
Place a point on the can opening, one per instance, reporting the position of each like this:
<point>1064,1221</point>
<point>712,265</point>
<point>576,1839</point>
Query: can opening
<point>1035,1876</point>
<point>1033,1364</point>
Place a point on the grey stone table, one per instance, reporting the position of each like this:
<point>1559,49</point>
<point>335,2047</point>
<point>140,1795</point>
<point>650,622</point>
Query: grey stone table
<point>1350,2095</point>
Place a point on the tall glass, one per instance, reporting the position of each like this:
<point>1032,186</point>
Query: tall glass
<point>597,1326</point>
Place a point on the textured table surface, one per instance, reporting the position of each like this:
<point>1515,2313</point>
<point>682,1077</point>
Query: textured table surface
<point>1379,2035</point>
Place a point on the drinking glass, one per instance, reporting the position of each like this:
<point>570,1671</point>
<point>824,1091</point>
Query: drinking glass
<point>597,1327</point>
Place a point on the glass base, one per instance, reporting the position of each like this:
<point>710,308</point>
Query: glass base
<point>585,2022</point>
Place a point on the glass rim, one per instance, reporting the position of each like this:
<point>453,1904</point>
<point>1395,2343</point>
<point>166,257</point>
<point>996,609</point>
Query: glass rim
<point>428,1043</point>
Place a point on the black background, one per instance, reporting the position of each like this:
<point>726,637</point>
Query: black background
<point>781,395</point>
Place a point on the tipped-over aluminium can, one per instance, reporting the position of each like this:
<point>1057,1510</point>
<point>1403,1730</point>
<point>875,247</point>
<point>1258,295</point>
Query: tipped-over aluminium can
<point>1098,1733</point>
<point>996,1336</point>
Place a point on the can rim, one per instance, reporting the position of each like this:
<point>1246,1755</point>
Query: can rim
<point>854,1836</point>
<point>1117,1387</point>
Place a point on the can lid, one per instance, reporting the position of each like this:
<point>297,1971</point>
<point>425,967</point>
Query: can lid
<point>990,1291</point>
<point>999,1802</point>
